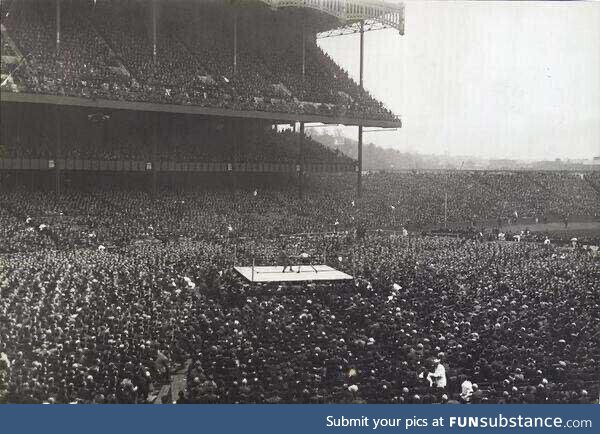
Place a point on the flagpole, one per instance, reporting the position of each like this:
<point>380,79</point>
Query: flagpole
<point>446,209</point>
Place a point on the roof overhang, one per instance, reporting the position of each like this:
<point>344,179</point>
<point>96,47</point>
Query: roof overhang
<point>349,12</point>
<point>191,109</point>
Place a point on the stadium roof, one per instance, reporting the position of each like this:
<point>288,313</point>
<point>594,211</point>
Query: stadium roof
<point>349,12</point>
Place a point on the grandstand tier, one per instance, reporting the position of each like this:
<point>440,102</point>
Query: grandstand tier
<point>85,139</point>
<point>202,57</point>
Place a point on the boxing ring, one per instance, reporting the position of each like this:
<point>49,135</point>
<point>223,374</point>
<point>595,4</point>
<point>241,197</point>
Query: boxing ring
<point>298,273</point>
<point>291,263</point>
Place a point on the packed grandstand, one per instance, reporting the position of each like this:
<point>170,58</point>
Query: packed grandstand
<point>105,54</point>
<point>120,287</point>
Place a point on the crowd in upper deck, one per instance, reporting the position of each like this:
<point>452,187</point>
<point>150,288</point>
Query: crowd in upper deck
<point>107,50</point>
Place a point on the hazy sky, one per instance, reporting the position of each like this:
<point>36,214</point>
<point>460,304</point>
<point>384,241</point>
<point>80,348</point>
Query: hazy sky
<point>490,79</point>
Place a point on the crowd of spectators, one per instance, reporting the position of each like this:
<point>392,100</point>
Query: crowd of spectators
<point>516,321</point>
<point>9,58</point>
<point>104,292</point>
<point>269,204</point>
<point>114,136</point>
<point>105,53</point>
<point>267,147</point>
<point>593,178</point>
<point>422,198</point>
<point>81,63</point>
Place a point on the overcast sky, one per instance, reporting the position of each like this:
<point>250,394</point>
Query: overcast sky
<point>489,79</point>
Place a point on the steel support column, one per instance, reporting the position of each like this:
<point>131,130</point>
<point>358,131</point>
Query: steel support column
<point>303,50</point>
<point>58,144</point>
<point>154,50</point>
<point>360,128</point>
<point>57,26</point>
<point>234,131</point>
<point>235,41</point>
<point>58,148</point>
<point>301,160</point>
<point>359,169</point>
<point>155,138</point>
